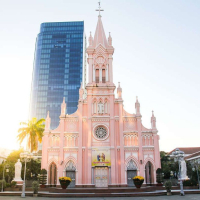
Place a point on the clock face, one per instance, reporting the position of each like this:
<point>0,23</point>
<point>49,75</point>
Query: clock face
<point>101,133</point>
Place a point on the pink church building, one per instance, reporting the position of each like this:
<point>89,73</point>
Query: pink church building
<point>101,144</point>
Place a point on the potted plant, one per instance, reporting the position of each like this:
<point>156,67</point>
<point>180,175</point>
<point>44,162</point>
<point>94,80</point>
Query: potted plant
<point>168,186</point>
<point>43,178</point>
<point>159,177</point>
<point>138,181</point>
<point>64,181</point>
<point>35,186</point>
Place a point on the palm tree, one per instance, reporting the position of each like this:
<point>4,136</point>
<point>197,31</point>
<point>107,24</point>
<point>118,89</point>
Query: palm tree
<point>33,130</point>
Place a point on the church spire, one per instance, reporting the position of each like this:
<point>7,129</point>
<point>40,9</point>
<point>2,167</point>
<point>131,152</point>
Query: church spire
<point>100,37</point>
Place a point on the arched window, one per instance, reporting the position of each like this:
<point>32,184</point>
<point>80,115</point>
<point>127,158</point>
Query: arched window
<point>95,107</point>
<point>103,75</point>
<point>106,107</point>
<point>97,75</point>
<point>149,173</point>
<point>52,174</point>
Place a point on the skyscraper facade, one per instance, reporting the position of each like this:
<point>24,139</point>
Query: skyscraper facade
<point>58,69</point>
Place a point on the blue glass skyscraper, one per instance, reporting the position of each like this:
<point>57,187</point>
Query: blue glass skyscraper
<point>58,69</point>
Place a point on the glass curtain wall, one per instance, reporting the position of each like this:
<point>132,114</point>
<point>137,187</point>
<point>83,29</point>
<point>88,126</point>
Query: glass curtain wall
<point>58,69</point>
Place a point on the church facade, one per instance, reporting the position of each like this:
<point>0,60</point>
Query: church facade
<point>101,144</point>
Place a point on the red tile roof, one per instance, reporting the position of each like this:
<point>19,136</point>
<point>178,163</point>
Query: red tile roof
<point>186,150</point>
<point>193,155</point>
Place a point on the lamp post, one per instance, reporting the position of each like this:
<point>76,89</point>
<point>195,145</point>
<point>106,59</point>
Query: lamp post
<point>25,157</point>
<point>196,164</point>
<point>179,156</point>
<point>7,170</point>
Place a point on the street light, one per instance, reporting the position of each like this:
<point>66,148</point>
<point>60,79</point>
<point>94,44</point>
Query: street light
<point>196,164</point>
<point>178,156</point>
<point>7,170</point>
<point>25,157</point>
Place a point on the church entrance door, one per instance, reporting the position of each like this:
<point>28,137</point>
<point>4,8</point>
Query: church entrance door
<point>131,172</point>
<point>70,172</point>
<point>101,176</point>
<point>130,175</point>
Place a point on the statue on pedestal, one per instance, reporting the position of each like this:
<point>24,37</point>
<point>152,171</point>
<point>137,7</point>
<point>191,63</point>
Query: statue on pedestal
<point>18,169</point>
<point>183,170</point>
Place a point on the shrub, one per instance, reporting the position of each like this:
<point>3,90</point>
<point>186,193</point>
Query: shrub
<point>43,177</point>
<point>4,184</point>
<point>7,185</point>
<point>159,177</point>
<point>13,184</point>
<point>168,186</point>
<point>190,183</point>
<point>35,186</point>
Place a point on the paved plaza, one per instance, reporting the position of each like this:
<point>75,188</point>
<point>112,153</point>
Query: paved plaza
<point>173,197</point>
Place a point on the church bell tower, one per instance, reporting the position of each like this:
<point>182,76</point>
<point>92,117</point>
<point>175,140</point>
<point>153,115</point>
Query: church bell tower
<point>100,57</point>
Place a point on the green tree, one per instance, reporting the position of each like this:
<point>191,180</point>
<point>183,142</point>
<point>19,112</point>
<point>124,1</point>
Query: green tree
<point>33,130</point>
<point>168,165</point>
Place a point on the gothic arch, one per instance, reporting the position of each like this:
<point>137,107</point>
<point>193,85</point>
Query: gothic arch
<point>106,100</point>
<point>51,161</point>
<point>100,100</point>
<point>70,165</point>
<point>150,160</point>
<point>70,158</point>
<point>94,100</point>
<point>134,160</point>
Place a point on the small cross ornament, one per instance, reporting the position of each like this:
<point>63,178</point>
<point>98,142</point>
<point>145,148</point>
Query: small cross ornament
<point>99,8</point>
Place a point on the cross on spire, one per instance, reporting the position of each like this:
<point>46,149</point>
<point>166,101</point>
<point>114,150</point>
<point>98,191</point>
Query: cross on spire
<point>99,9</point>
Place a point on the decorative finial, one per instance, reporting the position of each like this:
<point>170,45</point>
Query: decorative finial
<point>152,113</point>
<point>63,99</point>
<point>118,84</point>
<point>90,33</point>
<point>99,9</point>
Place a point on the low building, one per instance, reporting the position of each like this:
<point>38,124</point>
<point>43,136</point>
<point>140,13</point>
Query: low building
<point>187,150</point>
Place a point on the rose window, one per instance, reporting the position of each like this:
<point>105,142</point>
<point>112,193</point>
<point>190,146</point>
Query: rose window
<point>101,133</point>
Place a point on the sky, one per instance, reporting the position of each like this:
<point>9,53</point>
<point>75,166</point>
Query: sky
<point>157,58</point>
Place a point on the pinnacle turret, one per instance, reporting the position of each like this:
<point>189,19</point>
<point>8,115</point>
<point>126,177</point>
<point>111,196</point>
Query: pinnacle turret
<point>90,40</point>
<point>47,122</point>
<point>109,40</point>
<point>63,108</point>
<point>137,106</point>
<point>119,91</point>
<point>153,121</point>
